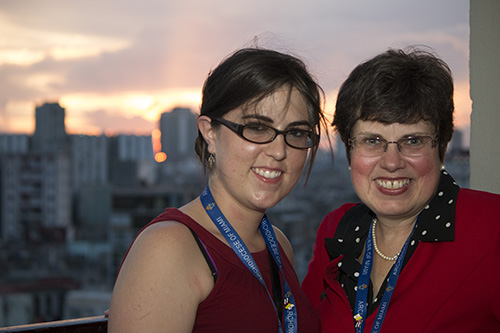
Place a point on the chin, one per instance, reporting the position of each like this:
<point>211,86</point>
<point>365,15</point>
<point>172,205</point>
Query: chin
<point>266,202</point>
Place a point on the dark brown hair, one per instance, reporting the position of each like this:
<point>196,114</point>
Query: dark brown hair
<point>398,86</point>
<point>248,76</point>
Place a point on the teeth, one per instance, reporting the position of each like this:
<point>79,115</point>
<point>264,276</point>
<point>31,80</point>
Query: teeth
<point>392,185</point>
<point>267,173</point>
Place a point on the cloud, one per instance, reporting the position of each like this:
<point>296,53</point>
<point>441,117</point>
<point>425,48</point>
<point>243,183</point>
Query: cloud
<point>112,123</point>
<point>52,49</point>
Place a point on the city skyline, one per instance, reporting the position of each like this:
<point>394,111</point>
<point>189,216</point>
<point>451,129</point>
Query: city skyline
<point>117,66</point>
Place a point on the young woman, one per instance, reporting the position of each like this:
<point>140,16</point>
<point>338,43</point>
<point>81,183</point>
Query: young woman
<point>217,264</point>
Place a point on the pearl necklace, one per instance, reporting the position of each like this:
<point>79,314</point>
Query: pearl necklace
<point>376,247</point>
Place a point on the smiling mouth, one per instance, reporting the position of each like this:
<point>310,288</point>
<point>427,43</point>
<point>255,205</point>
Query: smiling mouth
<point>392,185</point>
<point>267,173</point>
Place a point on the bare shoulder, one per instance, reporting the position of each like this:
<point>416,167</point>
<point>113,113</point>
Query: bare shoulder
<point>285,243</point>
<point>163,272</point>
<point>160,243</point>
<point>167,234</point>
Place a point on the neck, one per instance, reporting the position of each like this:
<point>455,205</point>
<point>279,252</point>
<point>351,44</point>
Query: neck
<point>389,238</point>
<point>395,228</point>
<point>245,221</point>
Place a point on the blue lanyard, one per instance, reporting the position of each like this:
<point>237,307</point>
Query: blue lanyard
<point>361,304</point>
<point>245,256</point>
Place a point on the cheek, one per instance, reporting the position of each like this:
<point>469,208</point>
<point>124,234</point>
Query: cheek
<point>235,148</point>
<point>427,168</point>
<point>297,160</point>
<point>361,168</point>
<point>428,176</point>
<point>232,157</point>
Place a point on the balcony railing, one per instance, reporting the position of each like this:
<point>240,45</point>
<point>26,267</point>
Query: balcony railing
<point>89,324</point>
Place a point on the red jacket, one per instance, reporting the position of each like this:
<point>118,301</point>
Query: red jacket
<point>445,286</point>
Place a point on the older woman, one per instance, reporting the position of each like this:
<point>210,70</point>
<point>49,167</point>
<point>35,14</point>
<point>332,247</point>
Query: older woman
<point>419,254</point>
<point>217,264</point>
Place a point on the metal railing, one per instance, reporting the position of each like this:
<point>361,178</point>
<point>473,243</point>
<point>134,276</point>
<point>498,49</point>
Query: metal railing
<point>89,324</point>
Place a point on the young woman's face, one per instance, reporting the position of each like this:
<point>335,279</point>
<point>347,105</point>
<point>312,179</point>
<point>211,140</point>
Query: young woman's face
<point>257,176</point>
<point>391,184</point>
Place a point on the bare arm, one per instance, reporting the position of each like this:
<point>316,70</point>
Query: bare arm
<point>162,281</point>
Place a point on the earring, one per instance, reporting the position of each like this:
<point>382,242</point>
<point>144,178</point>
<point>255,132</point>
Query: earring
<point>211,160</point>
<point>349,168</point>
<point>442,167</point>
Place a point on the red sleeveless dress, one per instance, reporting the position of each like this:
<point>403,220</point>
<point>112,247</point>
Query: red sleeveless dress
<point>238,301</point>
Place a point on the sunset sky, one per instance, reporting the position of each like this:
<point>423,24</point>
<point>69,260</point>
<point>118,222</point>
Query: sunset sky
<point>117,65</point>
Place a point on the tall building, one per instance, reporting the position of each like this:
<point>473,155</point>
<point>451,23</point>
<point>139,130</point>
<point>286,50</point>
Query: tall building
<point>178,133</point>
<point>131,160</point>
<point>50,131</point>
<point>90,185</point>
<point>36,198</point>
<point>14,143</point>
<point>89,158</point>
<point>35,184</point>
<point>456,144</point>
<point>134,148</point>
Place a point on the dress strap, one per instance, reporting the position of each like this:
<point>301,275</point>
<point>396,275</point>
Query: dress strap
<point>208,258</point>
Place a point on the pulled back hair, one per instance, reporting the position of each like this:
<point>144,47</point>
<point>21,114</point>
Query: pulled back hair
<point>248,76</point>
<point>398,86</point>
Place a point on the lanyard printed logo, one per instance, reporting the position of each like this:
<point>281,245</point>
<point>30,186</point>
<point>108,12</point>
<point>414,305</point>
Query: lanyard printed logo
<point>245,256</point>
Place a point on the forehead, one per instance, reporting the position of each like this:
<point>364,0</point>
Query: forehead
<point>393,129</point>
<point>281,104</point>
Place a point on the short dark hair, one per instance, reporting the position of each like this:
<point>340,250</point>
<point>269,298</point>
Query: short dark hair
<point>248,76</point>
<point>398,86</point>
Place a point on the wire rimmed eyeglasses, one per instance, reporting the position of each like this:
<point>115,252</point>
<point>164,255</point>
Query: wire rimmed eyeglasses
<point>411,146</point>
<point>261,134</point>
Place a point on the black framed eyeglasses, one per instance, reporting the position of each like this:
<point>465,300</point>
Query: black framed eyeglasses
<point>411,146</point>
<point>260,134</point>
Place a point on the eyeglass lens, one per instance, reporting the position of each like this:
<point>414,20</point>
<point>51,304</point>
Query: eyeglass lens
<point>263,134</point>
<point>408,146</point>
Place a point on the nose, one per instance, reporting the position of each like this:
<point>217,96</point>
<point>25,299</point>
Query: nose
<point>277,147</point>
<point>392,159</point>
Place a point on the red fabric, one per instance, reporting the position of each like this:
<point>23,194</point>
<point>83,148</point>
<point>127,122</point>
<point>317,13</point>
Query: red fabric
<point>238,302</point>
<point>445,287</point>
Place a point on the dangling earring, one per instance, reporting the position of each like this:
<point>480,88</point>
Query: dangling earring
<point>211,160</point>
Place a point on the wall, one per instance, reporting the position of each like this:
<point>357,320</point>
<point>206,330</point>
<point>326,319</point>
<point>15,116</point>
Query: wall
<point>485,94</point>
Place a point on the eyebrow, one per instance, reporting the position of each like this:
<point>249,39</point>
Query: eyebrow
<point>271,121</point>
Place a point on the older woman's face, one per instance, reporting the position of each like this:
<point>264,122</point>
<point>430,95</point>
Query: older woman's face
<point>394,186</point>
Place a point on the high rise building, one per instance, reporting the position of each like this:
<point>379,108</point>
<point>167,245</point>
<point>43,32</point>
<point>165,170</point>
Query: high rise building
<point>50,131</point>
<point>456,144</point>
<point>178,133</point>
<point>90,185</point>
<point>14,143</point>
<point>134,148</point>
<point>131,160</point>
<point>35,184</point>
<point>36,198</point>
<point>89,159</point>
